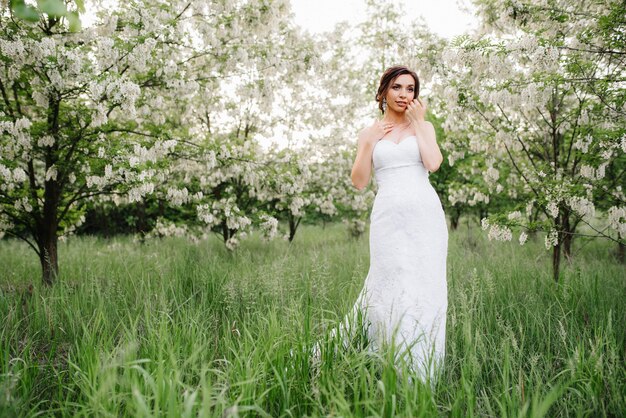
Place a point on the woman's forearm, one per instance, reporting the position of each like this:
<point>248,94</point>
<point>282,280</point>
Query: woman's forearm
<point>362,167</point>
<point>429,150</point>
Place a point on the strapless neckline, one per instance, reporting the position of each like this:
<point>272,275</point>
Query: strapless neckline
<point>399,142</point>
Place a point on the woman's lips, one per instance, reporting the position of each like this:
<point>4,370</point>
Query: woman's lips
<point>401,103</point>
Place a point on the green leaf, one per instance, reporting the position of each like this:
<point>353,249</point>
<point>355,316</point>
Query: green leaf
<point>80,4</point>
<point>54,8</point>
<point>74,21</point>
<point>24,12</point>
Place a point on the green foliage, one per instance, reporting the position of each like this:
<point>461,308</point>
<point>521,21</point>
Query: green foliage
<point>51,8</point>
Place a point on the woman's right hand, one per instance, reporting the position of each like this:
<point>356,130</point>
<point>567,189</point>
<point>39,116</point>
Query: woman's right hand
<point>374,132</point>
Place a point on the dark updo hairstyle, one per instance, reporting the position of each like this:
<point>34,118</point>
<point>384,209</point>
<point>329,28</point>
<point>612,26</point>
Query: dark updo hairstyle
<point>388,77</point>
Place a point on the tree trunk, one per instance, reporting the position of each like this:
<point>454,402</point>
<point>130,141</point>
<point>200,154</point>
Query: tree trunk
<point>225,231</point>
<point>568,236</point>
<point>454,219</point>
<point>556,250</point>
<point>293,226</point>
<point>49,259</point>
<point>47,232</point>
<point>141,226</point>
<point>47,240</point>
<point>620,252</point>
<point>556,262</point>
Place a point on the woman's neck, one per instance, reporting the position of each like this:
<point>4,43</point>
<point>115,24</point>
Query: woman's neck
<point>395,118</point>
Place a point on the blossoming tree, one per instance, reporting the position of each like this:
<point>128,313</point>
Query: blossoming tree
<point>97,113</point>
<point>539,93</point>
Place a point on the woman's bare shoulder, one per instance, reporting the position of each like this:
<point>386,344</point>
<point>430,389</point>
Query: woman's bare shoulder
<point>367,127</point>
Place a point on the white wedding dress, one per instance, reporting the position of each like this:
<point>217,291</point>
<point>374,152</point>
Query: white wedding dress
<point>405,295</point>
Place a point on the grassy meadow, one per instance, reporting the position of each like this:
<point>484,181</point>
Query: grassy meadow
<point>176,329</point>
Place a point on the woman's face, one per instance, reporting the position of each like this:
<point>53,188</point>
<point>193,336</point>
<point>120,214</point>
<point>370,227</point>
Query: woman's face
<point>401,91</point>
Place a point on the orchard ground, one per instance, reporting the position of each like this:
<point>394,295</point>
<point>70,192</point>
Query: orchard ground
<point>172,328</point>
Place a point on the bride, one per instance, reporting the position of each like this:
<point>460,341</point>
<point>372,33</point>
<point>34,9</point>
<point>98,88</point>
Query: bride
<point>404,299</point>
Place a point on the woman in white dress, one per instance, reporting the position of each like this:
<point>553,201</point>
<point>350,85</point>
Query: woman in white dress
<point>405,298</point>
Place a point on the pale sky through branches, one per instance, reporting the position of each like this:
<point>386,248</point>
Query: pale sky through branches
<point>443,17</point>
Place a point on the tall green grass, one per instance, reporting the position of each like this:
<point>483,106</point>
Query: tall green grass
<point>171,328</point>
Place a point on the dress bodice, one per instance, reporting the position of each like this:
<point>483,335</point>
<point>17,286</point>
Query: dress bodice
<point>398,165</point>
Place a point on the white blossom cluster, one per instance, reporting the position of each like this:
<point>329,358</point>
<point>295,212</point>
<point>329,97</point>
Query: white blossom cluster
<point>496,232</point>
<point>514,216</point>
<point>165,228</point>
<point>592,173</point>
<point>582,143</point>
<point>553,208</point>
<point>268,226</point>
<point>23,204</point>
<point>523,237</point>
<point>11,178</point>
<point>356,227</point>
<point>179,197</point>
<point>5,225</point>
<point>617,220</point>
<point>466,194</point>
<point>21,144</point>
<point>551,239</point>
<point>232,243</point>
<point>491,175</point>
<point>582,206</point>
<point>296,206</point>
<point>225,211</point>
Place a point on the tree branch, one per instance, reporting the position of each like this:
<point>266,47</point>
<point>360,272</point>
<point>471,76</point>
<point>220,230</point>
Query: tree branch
<point>519,171</point>
<point>6,100</point>
<point>26,240</point>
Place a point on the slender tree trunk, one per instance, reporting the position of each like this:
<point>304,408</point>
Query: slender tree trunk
<point>556,262</point>
<point>49,259</point>
<point>47,231</point>
<point>225,231</point>
<point>161,208</point>
<point>48,225</point>
<point>454,219</point>
<point>483,213</point>
<point>567,245</point>
<point>621,256</point>
<point>293,226</point>
<point>556,251</point>
<point>142,225</point>
<point>568,236</point>
<point>47,240</point>
<point>103,222</point>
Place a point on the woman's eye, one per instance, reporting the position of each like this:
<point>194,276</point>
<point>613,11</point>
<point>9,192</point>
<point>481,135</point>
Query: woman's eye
<point>395,87</point>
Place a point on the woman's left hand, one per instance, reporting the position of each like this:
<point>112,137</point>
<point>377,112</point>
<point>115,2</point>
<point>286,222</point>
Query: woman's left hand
<point>416,110</point>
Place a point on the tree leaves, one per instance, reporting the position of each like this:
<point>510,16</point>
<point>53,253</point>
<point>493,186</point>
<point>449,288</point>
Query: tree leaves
<point>55,8</point>
<point>23,11</point>
<point>52,8</point>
